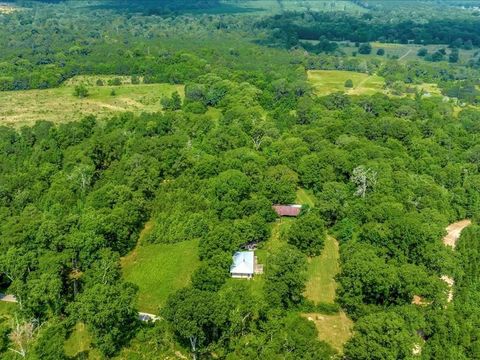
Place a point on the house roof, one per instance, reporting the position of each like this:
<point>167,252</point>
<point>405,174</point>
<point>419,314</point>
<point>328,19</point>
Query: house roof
<point>243,263</point>
<point>287,210</point>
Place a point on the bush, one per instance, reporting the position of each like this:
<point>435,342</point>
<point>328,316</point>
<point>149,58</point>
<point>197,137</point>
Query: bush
<point>365,49</point>
<point>81,91</point>
<point>349,83</point>
<point>380,52</point>
<point>422,52</point>
<point>307,233</point>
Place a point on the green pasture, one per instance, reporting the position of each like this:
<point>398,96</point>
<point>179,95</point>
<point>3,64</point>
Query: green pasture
<point>160,269</point>
<point>19,108</point>
<point>326,82</point>
<point>403,52</point>
<point>275,6</point>
<point>322,270</point>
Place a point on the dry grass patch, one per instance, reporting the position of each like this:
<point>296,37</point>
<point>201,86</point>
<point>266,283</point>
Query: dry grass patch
<point>336,329</point>
<point>18,108</point>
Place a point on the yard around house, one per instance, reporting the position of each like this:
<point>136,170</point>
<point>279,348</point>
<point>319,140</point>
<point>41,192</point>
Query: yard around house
<point>18,108</point>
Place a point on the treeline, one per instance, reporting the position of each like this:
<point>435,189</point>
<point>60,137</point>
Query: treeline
<point>294,26</point>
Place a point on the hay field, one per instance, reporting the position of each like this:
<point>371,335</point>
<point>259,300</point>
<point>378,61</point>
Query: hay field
<point>18,108</point>
<point>326,82</point>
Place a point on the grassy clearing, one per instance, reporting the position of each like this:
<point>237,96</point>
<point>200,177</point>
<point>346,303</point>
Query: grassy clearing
<point>7,309</point>
<point>305,198</point>
<point>333,329</point>
<point>404,52</point>
<point>8,8</point>
<point>160,269</point>
<point>60,105</point>
<point>322,270</point>
<point>78,344</point>
<point>329,81</point>
<point>269,7</point>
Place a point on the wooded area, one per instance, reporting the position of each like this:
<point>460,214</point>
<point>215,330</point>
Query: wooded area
<point>240,121</point>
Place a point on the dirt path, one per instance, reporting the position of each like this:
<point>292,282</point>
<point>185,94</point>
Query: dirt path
<point>405,55</point>
<point>8,298</point>
<point>453,234</point>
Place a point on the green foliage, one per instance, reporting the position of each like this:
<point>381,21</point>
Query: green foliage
<point>382,335</point>
<point>307,233</point>
<point>348,83</point>
<point>50,342</point>
<point>285,277</point>
<point>422,52</point>
<point>109,312</point>
<point>365,49</point>
<point>81,91</point>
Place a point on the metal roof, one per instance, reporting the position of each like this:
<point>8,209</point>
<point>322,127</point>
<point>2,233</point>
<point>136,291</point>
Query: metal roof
<point>243,263</point>
<point>287,210</point>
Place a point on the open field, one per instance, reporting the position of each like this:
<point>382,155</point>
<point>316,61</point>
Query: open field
<point>403,52</point>
<point>329,81</point>
<point>326,82</point>
<point>8,8</point>
<point>19,108</point>
<point>78,344</point>
<point>278,6</point>
<point>322,270</point>
<point>160,269</point>
<point>333,329</point>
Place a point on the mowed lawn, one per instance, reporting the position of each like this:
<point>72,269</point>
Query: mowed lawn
<point>160,269</point>
<point>322,270</point>
<point>326,82</point>
<point>19,108</point>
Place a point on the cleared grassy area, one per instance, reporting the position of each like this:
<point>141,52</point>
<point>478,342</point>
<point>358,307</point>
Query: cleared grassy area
<point>7,309</point>
<point>19,108</point>
<point>322,270</point>
<point>329,81</point>
<point>333,329</point>
<point>276,6</point>
<point>160,269</point>
<point>403,52</point>
<point>305,198</point>
<point>77,345</point>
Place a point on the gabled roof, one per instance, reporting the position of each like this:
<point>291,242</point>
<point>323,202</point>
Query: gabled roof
<point>243,263</point>
<point>287,210</point>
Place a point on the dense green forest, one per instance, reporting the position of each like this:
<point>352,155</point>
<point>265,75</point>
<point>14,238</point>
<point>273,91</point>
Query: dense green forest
<point>385,174</point>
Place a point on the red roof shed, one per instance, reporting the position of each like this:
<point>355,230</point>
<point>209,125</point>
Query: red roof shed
<point>287,210</point>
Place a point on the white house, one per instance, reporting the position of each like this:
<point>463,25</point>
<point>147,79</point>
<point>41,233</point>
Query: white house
<point>243,265</point>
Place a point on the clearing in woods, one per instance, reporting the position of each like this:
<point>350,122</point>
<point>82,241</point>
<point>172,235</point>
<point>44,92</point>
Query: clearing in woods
<point>159,269</point>
<point>334,329</point>
<point>326,82</point>
<point>18,108</point>
<point>322,269</point>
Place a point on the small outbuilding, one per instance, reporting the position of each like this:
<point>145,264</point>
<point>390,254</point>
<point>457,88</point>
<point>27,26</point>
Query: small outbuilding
<point>287,210</point>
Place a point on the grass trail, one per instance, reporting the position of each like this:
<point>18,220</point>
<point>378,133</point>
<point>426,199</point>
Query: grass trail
<point>322,270</point>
